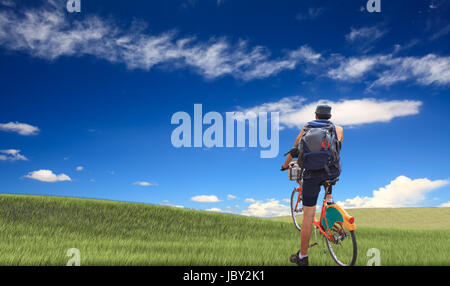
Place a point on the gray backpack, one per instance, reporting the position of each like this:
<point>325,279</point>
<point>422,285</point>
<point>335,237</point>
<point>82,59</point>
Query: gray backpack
<point>319,146</point>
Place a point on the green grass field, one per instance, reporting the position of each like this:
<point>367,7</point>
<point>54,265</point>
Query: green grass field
<point>405,218</point>
<point>38,230</point>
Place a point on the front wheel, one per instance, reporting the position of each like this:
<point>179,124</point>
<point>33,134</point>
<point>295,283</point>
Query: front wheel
<point>297,208</point>
<point>343,249</point>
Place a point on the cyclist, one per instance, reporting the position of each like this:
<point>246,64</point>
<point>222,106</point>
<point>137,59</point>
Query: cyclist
<point>311,186</point>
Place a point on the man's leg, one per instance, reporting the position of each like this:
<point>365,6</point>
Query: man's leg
<point>311,189</point>
<point>307,225</point>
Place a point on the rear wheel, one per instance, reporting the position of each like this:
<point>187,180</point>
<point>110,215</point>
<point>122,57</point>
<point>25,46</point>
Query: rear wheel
<point>297,208</point>
<point>343,248</point>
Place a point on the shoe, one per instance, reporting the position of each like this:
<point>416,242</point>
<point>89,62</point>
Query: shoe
<point>300,262</point>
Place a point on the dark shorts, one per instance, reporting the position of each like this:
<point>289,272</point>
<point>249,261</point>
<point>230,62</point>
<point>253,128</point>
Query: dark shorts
<point>311,190</point>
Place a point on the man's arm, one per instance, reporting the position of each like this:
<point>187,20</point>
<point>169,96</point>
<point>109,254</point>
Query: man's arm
<point>289,156</point>
<point>340,133</point>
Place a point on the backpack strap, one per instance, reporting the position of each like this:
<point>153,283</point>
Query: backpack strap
<point>300,146</point>
<point>337,163</point>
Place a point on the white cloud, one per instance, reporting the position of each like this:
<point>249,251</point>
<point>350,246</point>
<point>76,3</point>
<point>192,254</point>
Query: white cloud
<point>231,197</point>
<point>12,155</point>
<point>388,70</point>
<point>365,34</point>
<point>20,128</point>
<point>352,68</point>
<point>205,199</point>
<point>427,70</point>
<point>48,33</point>
<point>80,168</point>
<point>250,200</point>
<point>401,192</point>
<point>217,210</point>
<point>445,205</point>
<point>271,207</point>
<point>144,184</point>
<point>47,176</point>
<point>349,112</point>
<point>167,203</point>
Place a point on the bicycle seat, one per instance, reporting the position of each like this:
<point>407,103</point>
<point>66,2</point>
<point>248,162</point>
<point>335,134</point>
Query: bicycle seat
<point>328,183</point>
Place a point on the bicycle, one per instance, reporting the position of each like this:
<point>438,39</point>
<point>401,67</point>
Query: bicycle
<point>335,225</point>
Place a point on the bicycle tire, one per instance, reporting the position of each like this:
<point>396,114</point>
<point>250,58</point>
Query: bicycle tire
<point>355,251</point>
<point>293,202</point>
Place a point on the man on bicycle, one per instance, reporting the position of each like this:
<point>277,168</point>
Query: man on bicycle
<point>312,180</point>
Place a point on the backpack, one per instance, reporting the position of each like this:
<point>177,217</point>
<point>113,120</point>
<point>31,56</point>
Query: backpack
<point>319,146</point>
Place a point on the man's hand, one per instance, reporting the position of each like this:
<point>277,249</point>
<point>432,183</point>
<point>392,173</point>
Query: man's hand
<point>284,167</point>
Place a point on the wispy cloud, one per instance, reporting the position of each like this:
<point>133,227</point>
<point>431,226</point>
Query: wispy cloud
<point>206,199</point>
<point>294,111</point>
<point>353,68</point>
<point>12,155</point>
<point>8,3</point>
<point>144,184</point>
<point>441,32</point>
<point>364,38</point>
<point>80,168</point>
<point>427,70</point>
<point>47,33</point>
<point>411,43</point>
<point>401,192</point>
<point>388,69</point>
<point>312,13</point>
<point>19,128</point>
<point>231,197</point>
<point>47,176</point>
<point>366,34</point>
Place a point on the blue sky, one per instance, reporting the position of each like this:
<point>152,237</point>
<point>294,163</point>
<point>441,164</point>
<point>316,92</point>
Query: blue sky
<point>97,90</point>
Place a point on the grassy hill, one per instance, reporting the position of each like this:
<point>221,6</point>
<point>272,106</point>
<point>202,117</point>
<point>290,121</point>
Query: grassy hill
<point>38,230</point>
<point>401,218</point>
